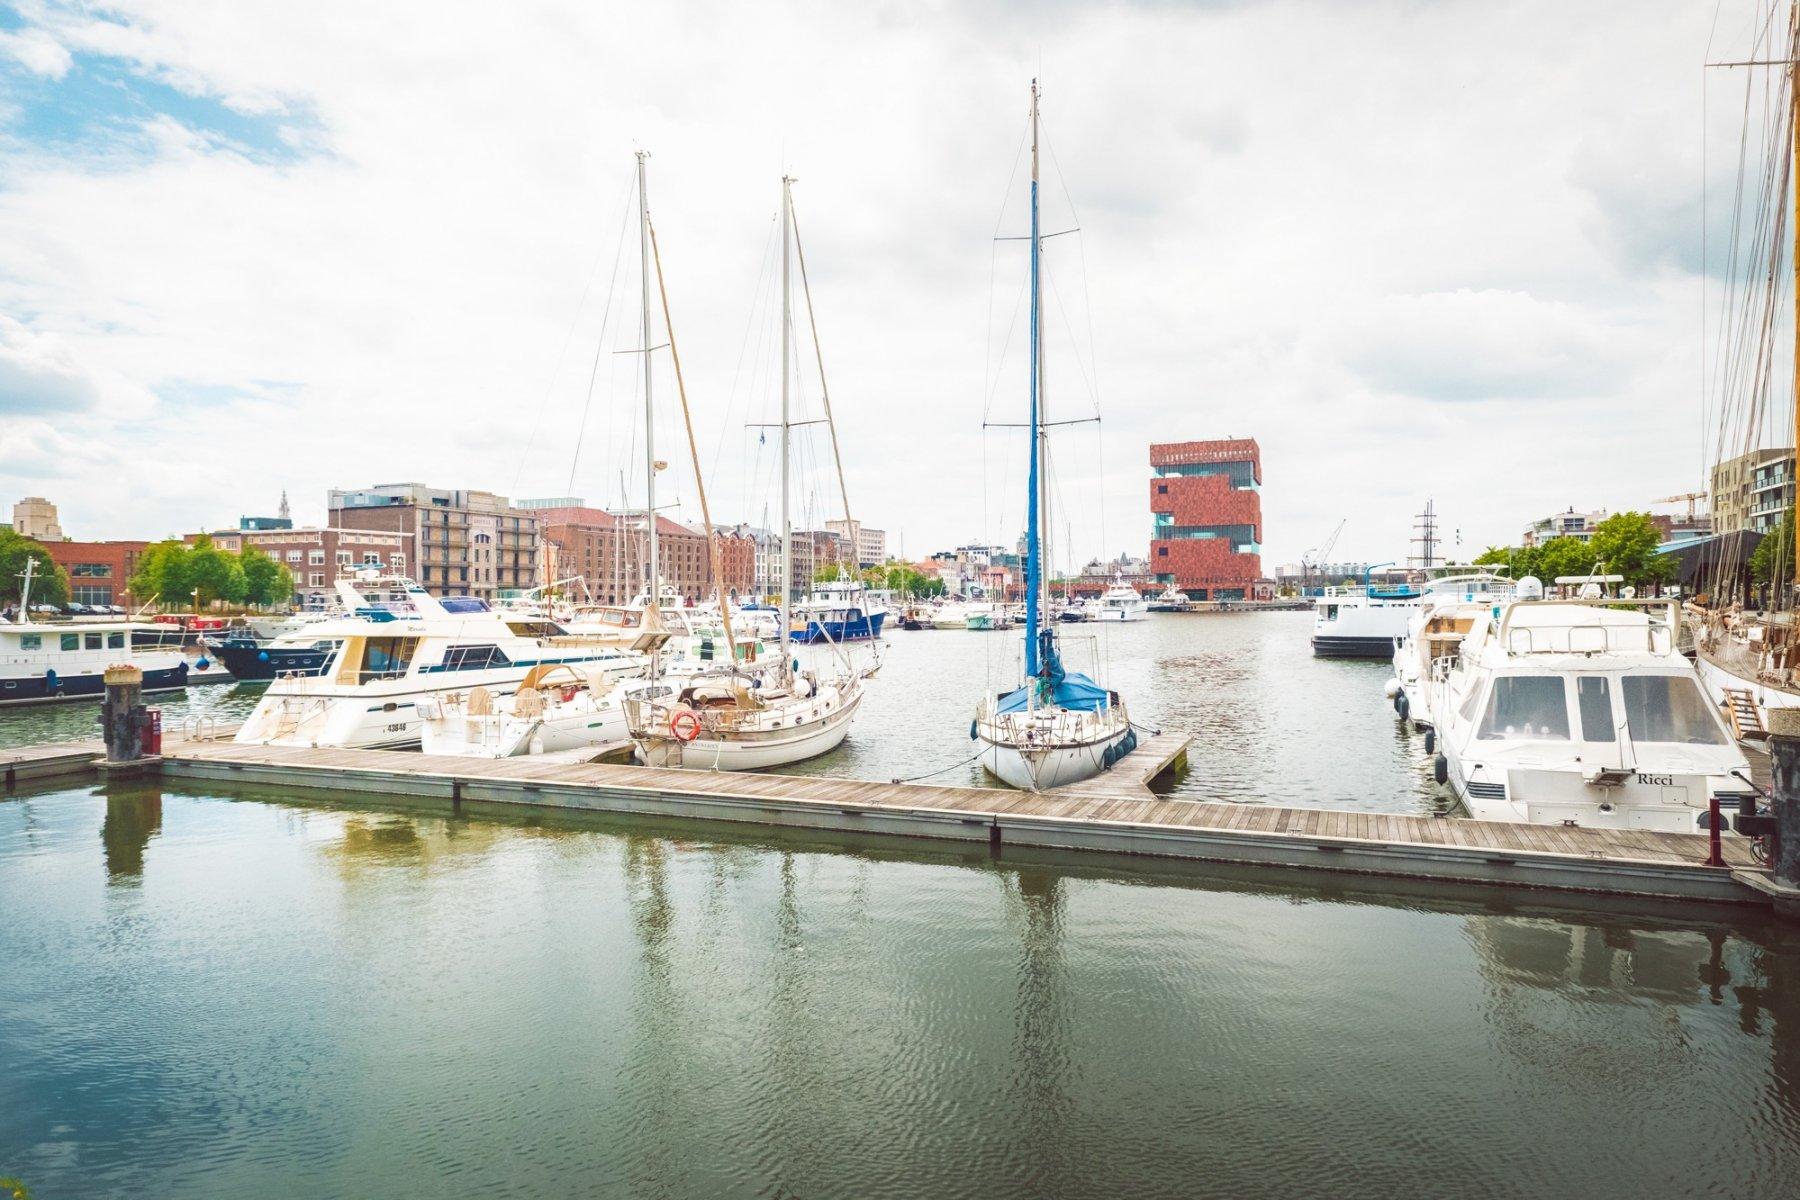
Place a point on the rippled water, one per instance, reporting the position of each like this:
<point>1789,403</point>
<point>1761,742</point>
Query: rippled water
<point>1272,723</point>
<point>204,996</point>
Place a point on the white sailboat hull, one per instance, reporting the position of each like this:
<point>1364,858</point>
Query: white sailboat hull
<point>758,751</point>
<point>1040,768</point>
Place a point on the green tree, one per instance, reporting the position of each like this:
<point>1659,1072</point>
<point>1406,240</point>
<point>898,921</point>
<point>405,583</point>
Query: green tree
<point>164,573</point>
<point>266,581</point>
<point>1772,562</point>
<point>49,583</point>
<point>827,573</point>
<point>1626,544</point>
<point>1559,556</point>
<point>214,574</point>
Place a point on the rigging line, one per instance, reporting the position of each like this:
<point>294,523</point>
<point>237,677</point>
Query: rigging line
<point>1011,325</point>
<point>599,344</point>
<point>993,252</point>
<point>568,336</point>
<point>819,354</point>
<point>756,297</point>
<point>1093,391</point>
<point>1081,242</point>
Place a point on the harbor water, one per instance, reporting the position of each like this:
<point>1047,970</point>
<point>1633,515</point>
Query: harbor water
<point>214,994</point>
<point>1271,723</point>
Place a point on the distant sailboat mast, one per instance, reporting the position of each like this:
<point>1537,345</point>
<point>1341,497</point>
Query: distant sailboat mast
<point>654,590</point>
<point>787,354</point>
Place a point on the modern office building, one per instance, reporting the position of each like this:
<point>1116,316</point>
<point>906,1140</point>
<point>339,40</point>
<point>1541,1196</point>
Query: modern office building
<point>1752,491</point>
<point>1568,523</point>
<point>1206,518</point>
<point>871,544</point>
<point>460,542</point>
<point>99,572</point>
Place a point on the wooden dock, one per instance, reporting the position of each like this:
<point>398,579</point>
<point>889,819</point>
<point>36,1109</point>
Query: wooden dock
<point>1116,814</point>
<point>1615,862</point>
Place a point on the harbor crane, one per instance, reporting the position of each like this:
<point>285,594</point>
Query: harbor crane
<point>1313,559</point>
<point>1679,497</point>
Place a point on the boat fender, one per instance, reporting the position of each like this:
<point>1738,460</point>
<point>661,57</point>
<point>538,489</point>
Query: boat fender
<point>973,726</point>
<point>52,684</point>
<point>1403,706</point>
<point>202,663</point>
<point>1430,740</point>
<point>1440,769</point>
<point>262,656</point>
<point>1109,756</point>
<point>1391,688</point>
<point>1130,741</point>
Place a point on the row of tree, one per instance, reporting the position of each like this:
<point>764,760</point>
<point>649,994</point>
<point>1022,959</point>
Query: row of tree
<point>900,578</point>
<point>176,572</point>
<point>1623,544</point>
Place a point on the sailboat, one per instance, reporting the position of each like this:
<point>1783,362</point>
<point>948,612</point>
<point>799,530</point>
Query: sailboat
<point>732,718</point>
<point>1749,660</point>
<point>1058,726</point>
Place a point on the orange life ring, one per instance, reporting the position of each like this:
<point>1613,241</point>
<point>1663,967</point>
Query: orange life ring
<point>685,724</point>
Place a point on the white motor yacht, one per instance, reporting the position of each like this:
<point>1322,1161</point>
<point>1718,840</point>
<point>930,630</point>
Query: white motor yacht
<point>390,656</point>
<point>1448,609</point>
<point>952,614</point>
<point>42,661</point>
<point>1365,622</point>
<point>1121,602</point>
<point>1582,712</point>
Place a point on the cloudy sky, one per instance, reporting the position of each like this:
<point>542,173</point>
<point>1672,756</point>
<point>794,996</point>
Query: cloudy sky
<point>1448,250</point>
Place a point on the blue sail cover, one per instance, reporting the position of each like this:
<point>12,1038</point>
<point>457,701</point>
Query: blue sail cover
<point>1073,691</point>
<point>1055,686</point>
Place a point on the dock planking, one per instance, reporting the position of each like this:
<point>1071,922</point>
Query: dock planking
<point>1625,862</point>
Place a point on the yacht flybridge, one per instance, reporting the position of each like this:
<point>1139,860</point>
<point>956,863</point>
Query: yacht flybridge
<point>1582,712</point>
<point>1448,608</point>
<point>1057,727</point>
<point>388,656</point>
<point>732,717</point>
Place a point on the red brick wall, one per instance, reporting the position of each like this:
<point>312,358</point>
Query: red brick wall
<point>1206,500</point>
<point>119,559</point>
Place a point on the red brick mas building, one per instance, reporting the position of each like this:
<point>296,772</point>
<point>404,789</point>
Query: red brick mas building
<point>99,572</point>
<point>1206,512</point>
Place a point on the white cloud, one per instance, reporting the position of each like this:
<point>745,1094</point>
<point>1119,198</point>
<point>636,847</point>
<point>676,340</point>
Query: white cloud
<point>1301,221</point>
<point>37,52</point>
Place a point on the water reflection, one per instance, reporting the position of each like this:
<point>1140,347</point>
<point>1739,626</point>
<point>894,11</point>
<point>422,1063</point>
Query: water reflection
<point>133,817</point>
<point>1042,1036</point>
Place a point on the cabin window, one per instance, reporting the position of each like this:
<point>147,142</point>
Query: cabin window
<point>115,641</point>
<point>1669,708</point>
<point>1528,708</point>
<point>386,656</point>
<point>71,641</point>
<point>95,641</point>
<point>1593,698</point>
<point>31,641</point>
<point>474,658</point>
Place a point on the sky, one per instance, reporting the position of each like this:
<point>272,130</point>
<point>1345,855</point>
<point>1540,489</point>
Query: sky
<point>1453,251</point>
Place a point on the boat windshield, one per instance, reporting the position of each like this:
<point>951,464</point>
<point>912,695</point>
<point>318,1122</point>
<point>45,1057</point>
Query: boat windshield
<point>1529,708</point>
<point>1669,708</point>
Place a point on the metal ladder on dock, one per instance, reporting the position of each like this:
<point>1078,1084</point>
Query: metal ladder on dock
<point>1746,718</point>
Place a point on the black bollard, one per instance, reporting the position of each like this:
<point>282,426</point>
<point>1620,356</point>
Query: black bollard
<point>1784,770</point>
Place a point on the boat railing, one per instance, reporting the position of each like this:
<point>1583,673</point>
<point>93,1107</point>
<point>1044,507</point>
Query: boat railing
<point>200,727</point>
<point>1595,636</point>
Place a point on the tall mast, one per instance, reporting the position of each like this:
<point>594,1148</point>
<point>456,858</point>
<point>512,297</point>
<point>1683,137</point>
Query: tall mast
<point>1033,567</point>
<point>787,352</point>
<point>655,588</point>
<point>1794,233</point>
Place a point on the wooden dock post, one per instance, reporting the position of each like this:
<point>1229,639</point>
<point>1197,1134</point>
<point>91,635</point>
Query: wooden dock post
<point>1784,774</point>
<point>123,720</point>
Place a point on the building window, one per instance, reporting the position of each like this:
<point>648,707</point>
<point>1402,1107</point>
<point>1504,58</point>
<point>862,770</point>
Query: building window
<point>315,558</point>
<point>1162,552</point>
<point>371,558</point>
<point>89,570</point>
<point>293,556</point>
<point>397,561</point>
<point>91,593</point>
<point>343,558</point>
<point>316,579</point>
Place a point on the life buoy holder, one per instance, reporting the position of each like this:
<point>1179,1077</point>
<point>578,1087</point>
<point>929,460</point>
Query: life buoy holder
<point>685,725</point>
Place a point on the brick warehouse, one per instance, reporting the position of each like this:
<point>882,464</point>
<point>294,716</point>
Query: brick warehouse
<point>1206,513</point>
